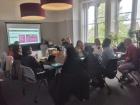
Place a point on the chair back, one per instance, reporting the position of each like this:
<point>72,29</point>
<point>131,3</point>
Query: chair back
<point>17,72</point>
<point>28,74</point>
<point>111,68</point>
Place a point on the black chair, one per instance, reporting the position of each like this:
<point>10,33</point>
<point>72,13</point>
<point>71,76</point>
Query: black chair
<point>129,76</point>
<point>111,69</point>
<point>29,77</point>
<point>110,72</point>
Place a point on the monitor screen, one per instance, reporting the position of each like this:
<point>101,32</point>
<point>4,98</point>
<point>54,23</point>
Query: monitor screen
<point>23,33</point>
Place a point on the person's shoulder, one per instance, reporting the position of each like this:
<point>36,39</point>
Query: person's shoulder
<point>131,47</point>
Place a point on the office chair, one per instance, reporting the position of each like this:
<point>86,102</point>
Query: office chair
<point>110,72</point>
<point>129,75</point>
<point>30,77</point>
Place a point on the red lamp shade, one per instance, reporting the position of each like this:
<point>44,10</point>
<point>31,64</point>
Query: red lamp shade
<point>32,11</point>
<point>56,5</point>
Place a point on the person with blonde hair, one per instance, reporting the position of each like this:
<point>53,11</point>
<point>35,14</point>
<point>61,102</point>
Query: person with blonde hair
<point>97,47</point>
<point>80,48</point>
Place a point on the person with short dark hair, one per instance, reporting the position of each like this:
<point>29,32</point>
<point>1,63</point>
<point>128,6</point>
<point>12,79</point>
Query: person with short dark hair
<point>94,67</point>
<point>108,52</point>
<point>73,80</point>
<point>121,47</point>
<point>28,60</point>
<point>17,52</point>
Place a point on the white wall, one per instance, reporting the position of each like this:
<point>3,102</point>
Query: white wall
<point>3,37</point>
<point>49,31</point>
<point>7,10</point>
<point>10,11</point>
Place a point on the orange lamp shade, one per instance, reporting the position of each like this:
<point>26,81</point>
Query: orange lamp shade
<point>56,5</point>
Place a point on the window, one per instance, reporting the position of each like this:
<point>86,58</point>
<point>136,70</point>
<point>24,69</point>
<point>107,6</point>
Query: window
<point>125,12</point>
<point>91,28</point>
<point>100,23</point>
<point>138,16</point>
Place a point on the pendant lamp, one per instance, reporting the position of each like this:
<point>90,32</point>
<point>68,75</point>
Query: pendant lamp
<point>32,11</point>
<point>56,5</point>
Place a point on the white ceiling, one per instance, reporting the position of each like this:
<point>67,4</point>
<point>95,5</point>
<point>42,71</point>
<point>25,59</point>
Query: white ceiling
<point>10,11</point>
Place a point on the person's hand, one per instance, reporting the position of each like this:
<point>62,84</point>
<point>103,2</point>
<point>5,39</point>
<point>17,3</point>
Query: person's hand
<point>68,39</point>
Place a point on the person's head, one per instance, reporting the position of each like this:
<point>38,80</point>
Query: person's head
<point>97,42</point>
<point>63,40</point>
<point>27,50</point>
<point>45,42</point>
<point>68,39</point>
<point>17,49</point>
<point>10,47</point>
<point>88,50</point>
<point>16,43</point>
<point>80,44</point>
<point>127,42</point>
<point>106,42</point>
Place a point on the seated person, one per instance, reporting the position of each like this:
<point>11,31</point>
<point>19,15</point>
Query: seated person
<point>108,52</point>
<point>91,61</point>
<point>121,47</point>
<point>43,47</point>
<point>64,42</point>
<point>131,57</point>
<point>17,52</point>
<point>51,59</point>
<point>73,80</point>
<point>28,60</point>
<point>97,47</point>
<point>16,73</point>
<point>93,66</point>
<point>80,48</point>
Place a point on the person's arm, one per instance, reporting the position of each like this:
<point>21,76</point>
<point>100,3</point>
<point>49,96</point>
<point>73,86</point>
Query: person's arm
<point>35,63</point>
<point>128,54</point>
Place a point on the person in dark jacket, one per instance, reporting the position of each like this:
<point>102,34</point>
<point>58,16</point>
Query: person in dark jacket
<point>17,52</point>
<point>92,61</point>
<point>94,67</point>
<point>28,60</point>
<point>73,80</point>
